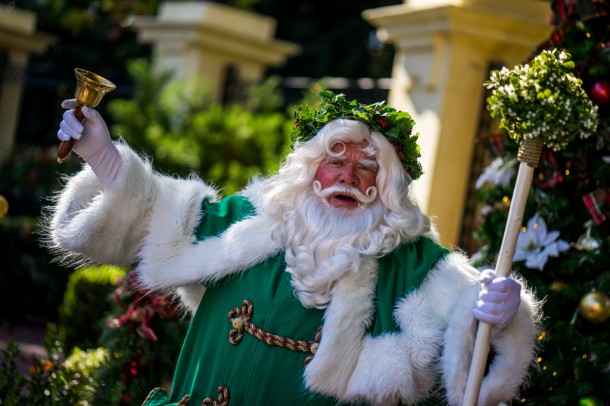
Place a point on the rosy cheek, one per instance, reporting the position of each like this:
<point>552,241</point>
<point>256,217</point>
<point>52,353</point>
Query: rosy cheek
<point>326,182</point>
<point>322,177</point>
<point>326,172</point>
<point>368,182</point>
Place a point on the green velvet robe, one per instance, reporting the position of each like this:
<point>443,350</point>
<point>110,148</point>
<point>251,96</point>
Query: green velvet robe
<point>252,371</point>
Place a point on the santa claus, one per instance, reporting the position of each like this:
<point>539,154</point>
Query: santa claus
<point>321,284</point>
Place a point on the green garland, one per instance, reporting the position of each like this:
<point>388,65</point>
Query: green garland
<point>542,100</point>
<point>396,126</point>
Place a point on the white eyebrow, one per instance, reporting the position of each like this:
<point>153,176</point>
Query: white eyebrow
<point>369,162</point>
<point>363,161</point>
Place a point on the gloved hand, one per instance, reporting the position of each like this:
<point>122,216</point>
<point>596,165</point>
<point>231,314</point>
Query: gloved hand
<point>499,299</point>
<point>92,143</point>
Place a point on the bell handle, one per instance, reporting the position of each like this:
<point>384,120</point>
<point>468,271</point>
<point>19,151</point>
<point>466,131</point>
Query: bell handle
<point>65,147</point>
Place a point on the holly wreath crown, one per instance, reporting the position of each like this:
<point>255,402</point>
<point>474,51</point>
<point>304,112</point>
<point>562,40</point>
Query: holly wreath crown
<point>396,126</point>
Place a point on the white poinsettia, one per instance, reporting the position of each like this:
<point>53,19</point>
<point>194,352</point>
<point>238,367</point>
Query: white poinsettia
<point>499,172</point>
<point>536,244</point>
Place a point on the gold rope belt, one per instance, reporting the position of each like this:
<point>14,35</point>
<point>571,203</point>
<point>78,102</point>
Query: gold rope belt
<point>240,320</point>
<point>223,398</point>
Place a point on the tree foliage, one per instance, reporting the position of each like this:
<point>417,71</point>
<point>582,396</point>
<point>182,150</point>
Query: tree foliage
<point>563,252</point>
<point>177,124</point>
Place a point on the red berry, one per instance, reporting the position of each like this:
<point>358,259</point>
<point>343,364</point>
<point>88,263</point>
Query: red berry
<point>600,92</point>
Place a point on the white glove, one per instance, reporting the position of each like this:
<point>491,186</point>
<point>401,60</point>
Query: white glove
<point>499,299</point>
<point>92,143</point>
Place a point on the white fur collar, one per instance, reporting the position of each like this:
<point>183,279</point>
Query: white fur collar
<point>346,320</point>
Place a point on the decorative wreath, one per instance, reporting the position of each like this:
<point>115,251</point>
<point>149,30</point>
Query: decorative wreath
<point>396,126</point>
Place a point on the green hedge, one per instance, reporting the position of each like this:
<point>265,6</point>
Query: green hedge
<point>86,301</point>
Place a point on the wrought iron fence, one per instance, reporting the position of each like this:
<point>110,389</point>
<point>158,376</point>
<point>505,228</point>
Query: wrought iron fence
<point>365,90</point>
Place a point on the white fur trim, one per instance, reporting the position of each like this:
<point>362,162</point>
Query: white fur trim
<point>402,367</point>
<point>252,192</point>
<point>515,344</point>
<point>190,296</point>
<point>388,371</point>
<point>171,257</point>
<point>345,321</point>
<point>515,352</point>
<point>515,348</point>
<point>436,336</point>
<point>88,225</point>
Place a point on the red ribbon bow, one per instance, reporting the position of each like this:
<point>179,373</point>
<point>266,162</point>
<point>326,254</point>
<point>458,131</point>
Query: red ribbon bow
<point>598,204</point>
<point>142,309</point>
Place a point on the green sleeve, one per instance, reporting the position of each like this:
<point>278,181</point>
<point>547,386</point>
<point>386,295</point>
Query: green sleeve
<point>218,216</point>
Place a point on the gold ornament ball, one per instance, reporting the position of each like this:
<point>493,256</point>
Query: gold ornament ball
<point>595,307</point>
<point>3,206</point>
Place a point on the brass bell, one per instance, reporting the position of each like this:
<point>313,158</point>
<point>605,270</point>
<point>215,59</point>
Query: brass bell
<point>90,88</point>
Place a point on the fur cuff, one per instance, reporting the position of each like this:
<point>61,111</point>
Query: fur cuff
<point>393,368</point>
<point>86,225</point>
<point>514,347</point>
<point>402,367</point>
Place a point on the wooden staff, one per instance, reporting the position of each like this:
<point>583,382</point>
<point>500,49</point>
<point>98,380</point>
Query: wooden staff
<point>529,155</point>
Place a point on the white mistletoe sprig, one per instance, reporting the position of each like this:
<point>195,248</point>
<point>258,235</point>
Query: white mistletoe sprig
<point>542,100</point>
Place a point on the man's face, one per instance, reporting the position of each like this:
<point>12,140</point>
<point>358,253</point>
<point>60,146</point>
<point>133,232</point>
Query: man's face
<point>353,168</point>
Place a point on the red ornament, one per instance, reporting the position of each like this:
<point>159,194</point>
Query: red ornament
<point>600,92</point>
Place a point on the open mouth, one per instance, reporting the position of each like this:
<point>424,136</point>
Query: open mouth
<point>345,198</point>
<point>345,201</point>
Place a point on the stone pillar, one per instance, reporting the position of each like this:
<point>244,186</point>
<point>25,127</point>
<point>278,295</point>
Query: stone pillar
<point>443,50</point>
<point>204,39</point>
<point>18,40</point>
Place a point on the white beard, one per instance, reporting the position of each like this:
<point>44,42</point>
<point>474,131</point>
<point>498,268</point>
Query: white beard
<point>324,243</point>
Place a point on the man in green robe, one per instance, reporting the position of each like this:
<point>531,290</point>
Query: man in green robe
<point>320,285</point>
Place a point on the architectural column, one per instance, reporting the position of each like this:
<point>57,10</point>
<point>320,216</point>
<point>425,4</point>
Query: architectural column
<point>18,40</point>
<point>205,39</point>
<point>443,50</point>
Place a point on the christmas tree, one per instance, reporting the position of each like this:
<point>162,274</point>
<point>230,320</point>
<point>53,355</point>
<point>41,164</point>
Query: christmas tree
<point>564,244</point>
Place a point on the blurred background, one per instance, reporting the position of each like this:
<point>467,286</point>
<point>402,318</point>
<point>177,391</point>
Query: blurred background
<point>210,87</point>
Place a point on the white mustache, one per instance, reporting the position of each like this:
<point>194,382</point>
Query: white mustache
<point>371,192</point>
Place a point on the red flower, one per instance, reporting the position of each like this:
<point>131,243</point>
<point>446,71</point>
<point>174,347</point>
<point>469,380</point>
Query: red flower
<point>401,155</point>
<point>383,123</point>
